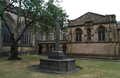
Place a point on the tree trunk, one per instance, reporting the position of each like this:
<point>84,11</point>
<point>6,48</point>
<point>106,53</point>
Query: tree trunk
<point>14,52</point>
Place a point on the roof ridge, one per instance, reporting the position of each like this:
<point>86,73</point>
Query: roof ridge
<point>90,13</point>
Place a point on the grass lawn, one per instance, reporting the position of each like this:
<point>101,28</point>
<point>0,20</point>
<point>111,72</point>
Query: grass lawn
<point>90,69</point>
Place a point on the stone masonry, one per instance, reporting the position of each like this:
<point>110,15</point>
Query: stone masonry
<point>0,39</point>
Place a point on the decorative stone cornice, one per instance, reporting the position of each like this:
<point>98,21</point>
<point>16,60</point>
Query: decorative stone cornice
<point>92,24</point>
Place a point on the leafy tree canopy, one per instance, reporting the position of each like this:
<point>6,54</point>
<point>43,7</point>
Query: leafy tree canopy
<point>39,16</point>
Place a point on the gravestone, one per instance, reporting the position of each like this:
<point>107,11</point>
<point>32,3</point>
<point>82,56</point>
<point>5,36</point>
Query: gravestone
<point>57,61</point>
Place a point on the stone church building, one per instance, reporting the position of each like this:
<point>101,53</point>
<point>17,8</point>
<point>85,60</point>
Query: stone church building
<point>90,35</point>
<point>94,35</point>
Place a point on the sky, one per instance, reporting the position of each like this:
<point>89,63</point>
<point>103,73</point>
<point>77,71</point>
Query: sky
<point>77,8</point>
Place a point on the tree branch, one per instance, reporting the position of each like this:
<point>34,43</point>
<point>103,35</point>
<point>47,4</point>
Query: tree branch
<point>7,26</point>
<point>26,29</point>
<point>26,18</point>
<point>22,32</point>
<point>7,6</point>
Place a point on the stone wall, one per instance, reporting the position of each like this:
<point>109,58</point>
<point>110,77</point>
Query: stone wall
<point>95,18</point>
<point>94,32</point>
<point>90,48</point>
<point>49,49</point>
<point>20,49</point>
<point>94,46</point>
<point>0,38</point>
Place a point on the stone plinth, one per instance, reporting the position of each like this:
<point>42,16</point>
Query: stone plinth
<point>58,65</point>
<point>56,61</point>
<point>57,55</point>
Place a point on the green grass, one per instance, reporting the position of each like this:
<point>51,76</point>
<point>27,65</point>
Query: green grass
<point>90,69</point>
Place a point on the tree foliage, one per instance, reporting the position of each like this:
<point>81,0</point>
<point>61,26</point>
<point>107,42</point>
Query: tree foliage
<point>37,15</point>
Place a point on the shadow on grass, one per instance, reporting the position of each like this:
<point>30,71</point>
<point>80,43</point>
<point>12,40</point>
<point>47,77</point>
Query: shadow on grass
<point>36,68</point>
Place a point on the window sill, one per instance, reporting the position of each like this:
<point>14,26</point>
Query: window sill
<point>6,45</point>
<point>101,41</point>
<point>25,46</point>
<point>78,41</point>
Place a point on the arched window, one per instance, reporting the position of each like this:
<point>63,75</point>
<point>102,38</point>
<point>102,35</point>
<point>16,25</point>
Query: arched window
<point>78,34</point>
<point>49,37</point>
<point>89,34</point>
<point>39,37</point>
<point>65,37</point>
<point>101,33</point>
<point>26,38</point>
<point>5,33</point>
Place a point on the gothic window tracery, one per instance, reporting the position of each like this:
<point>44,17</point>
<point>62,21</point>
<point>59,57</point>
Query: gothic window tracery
<point>5,33</point>
<point>101,33</point>
<point>89,34</point>
<point>26,38</point>
<point>78,34</point>
<point>39,37</point>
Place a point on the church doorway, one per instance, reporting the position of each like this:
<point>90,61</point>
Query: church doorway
<point>64,48</point>
<point>40,49</point>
